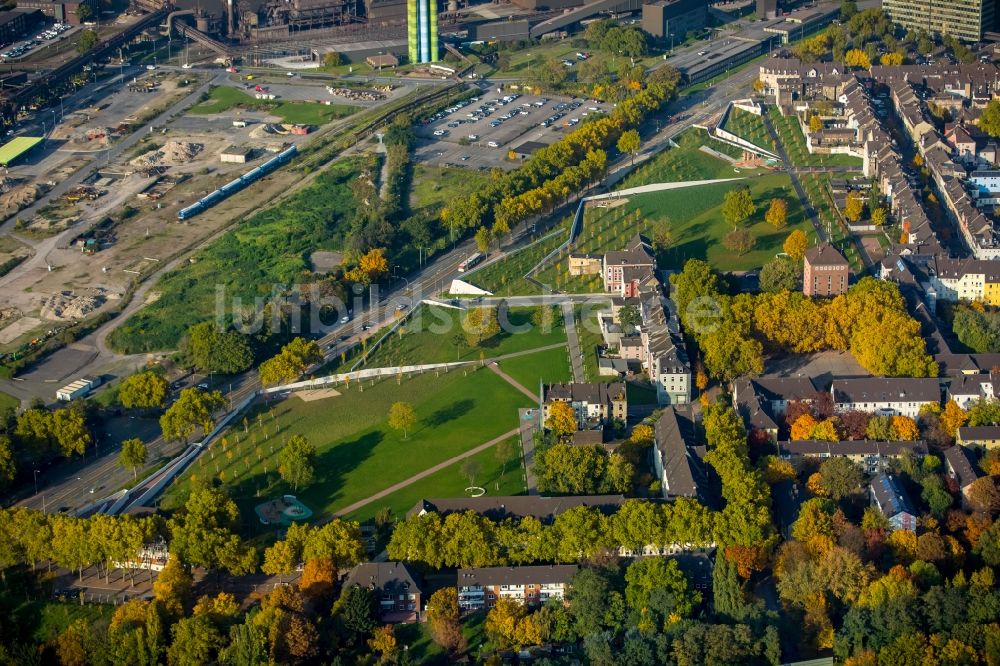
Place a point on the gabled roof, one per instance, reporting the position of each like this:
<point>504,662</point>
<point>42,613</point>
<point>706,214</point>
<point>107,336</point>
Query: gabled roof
<point>962,465</point>
<point>891,497</point>
<point>390,577</point>
<point>682,469</point>
<point>886,389</point>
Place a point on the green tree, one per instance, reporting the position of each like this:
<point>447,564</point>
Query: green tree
<point>402,416</point>
<point>133,455</point>
<point>484,238</point>
<point>195,641</point>
<point>780,274</point>
<point>193,409</point>
<point>70,431</point>
<point>211,348</point>
<point>629,315</point>
<point>172,587</point>
<point>203,533</point>
<point>8,467</point>
<point>629,143</point>
<point>332,59</point>
<point>358,611</point>
<point>738,206</point>
<point>840,477</point>
<point>658,584</point>
<point>144,390</point>
<point>295,462</point>
<point>989,121</point>
<point>88,39</point>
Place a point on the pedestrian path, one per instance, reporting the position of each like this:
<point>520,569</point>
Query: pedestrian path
<point>575,355</point>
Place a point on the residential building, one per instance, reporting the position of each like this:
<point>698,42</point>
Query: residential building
<point>674,19</point>
<point>825,271</point>
<point>499,507</point>
<point>631,271</point>
<point>960,463</point>
<point>966,280</point>
<point>585,264</point>
<point>985,437</point>
<point>593,404</point>
<point>480,589</point>
<point>886,396</point>
<point>870,455</point>
<point>964,19</point>
<point>666,359</point>
<point>677,462</point>
<point>774,393</point>
<point>422,31</point>
<point>395,586</point>
<point>889,497</point>
<point>966,390</point>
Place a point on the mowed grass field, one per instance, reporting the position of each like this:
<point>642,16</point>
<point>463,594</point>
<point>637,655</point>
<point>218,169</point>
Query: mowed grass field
<point>550,366</point>
<point>495,475</point>
<point>358,454</point>
<point>685,162</point>
<point>224,98</point>
<point>697,224</point>
<point>435,335</point>
<point>794,142</point>
<point>750,127</point>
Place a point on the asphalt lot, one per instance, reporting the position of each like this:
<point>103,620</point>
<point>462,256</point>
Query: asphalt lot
<point>529,112</point>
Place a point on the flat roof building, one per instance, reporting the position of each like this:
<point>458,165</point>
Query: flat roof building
<point>965,19</point>
<point>673,19</point>
<point>17,148</point>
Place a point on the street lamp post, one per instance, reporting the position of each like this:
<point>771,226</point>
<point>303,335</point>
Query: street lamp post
<point>36,481</point>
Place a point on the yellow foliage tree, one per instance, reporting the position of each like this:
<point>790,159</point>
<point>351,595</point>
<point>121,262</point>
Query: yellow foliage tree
<point>777,213</point>
<point>796,244</point>
<point>952,418</point>
<point>857,58</point>
<point>825,430</point>
<point>371,266</point>
<point>803,427</point>
<point>905,428</point>
<point>562,419</point>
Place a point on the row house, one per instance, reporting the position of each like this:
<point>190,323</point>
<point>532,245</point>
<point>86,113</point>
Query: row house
<point>666,360</point>
<point>967,389</point>
<point>789,80</point>
<point>678,463</point>
<point>889,497</point>
<point>481,588</point>
<point>885,396</point>
<point>631,271</point>
<point>593,404</point>
<point>982,437</point>
<point>870,455</point>
<point>762,401</point>
<point>960,465</point>
<point>395,586</point>
<point>965,280</point>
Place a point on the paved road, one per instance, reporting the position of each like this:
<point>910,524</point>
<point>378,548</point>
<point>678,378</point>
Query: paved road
<point>529,423</point>
<point>575,355</point>
<point>793,175</point>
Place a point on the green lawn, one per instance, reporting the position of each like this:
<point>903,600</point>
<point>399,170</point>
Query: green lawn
<point>589,333</point>
<point>697,224</point>
<point>224,98</point>
<point>794,142</point>
<point>436,186</point>
<point>270,248</point>
<point>750,127</point>
<point>357,453</point>
<point>498,477</point>
<point>506,276</point>
<point>8,401</point>
<point>422,650</point>
<point>431,334</point>
<point>549,366</point>
<point>685,162</point>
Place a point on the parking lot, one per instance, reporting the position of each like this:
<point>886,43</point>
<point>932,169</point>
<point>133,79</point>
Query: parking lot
<point>44,36</point>
<point>478,133</point>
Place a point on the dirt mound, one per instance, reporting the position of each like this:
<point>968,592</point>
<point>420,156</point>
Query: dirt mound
<point>172,153</point>
<point>66,305</point>
<point>19,197</point>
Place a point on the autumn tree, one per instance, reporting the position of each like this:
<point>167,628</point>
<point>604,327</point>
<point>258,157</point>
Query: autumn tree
<point>854,207</point>
<point>905,429</point>
<point>145,390</point>
<point>561,420</point>
<point>803,427</point>
<point>479,325</point>
<point>172,587</point>
<point>402,416</point>
<point>383,641</point>
<point>857,58</point>
<point>815,123</point>
<point>484,238</point>
<point>371,267</point>
<point>953,417</point>
<point>777,213</point>
<point>780,274</point>
<point>628,143</point>
<point>444,620</point>
<point>295,461</point>
<point>989,121</point>
<point>840,477</point>
<point>879,216</point>
<point>502,623</point>
<point>796,244</point>
<point>290,362</point>
<point>203,533</point>
<point>738,206</point>
<point>739,241</point>
<point>133,455</point>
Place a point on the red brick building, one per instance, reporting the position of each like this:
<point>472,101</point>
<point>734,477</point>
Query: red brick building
<point>825,271</point>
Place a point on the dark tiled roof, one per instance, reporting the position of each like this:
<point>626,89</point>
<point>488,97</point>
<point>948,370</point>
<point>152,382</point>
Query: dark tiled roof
<point>973,433</point>
<point>540,575</point>
<point>825,254</point>
<point>886,389</point>
<point>813,447</point>
<point>674,430</point>
<point>593,393</point>
<point>392,577</point>
<point>962,465</point>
